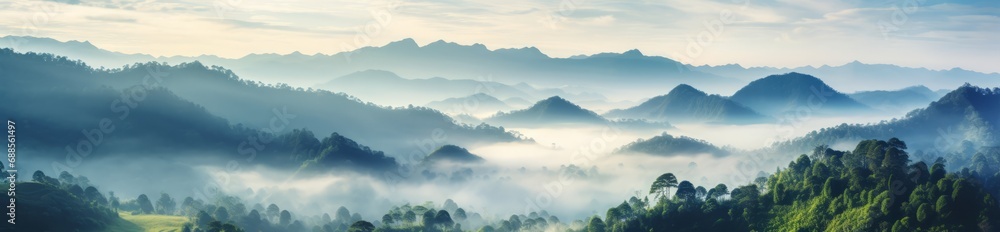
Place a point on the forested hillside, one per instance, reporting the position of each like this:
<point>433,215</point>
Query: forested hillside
<point>875,187</point>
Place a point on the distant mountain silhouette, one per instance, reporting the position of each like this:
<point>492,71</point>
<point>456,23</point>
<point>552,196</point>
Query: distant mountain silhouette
<point>780,94</point>
<point>440,59</point>
<point>552,111</point>
<point>905,99</point>
<point>668,145</point>
<point>968,113</point>
<point>858,76</point>
<point>687,104</point>
<point>644,74</point>
<point>479,103</point>
<point>387,88</point>
<point>452,153</point>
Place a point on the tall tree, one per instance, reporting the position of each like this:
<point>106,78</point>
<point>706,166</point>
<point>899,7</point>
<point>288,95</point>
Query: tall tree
<point>661,187</point>
<point>343,215</point>
<point>285,218</point>
<point>361,226</point>
<point>221,214</point>
<point>460,214</point>
<point>145,206</point>
<point>443,219</point>
<point>596,225</point>
<point>428,219</point>
<point>92,195</point>
<point>686,190</point>
<point>166,205</point>
<point>203,219</point>
<point>273,211</point>
<point>409,217</point>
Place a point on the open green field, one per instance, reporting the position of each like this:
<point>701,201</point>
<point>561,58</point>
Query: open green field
<point>147,223</point>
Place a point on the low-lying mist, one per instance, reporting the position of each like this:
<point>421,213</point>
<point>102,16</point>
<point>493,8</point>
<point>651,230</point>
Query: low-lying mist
<point>569,172</point>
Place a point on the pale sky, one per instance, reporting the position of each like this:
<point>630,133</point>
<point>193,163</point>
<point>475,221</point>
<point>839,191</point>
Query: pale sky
<point>781,33</point>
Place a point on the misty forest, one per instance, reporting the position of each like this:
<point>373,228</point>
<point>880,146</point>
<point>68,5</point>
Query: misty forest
<point>455,136</point>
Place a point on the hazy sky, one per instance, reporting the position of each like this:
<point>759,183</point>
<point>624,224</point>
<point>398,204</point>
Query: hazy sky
<point>919,33</point>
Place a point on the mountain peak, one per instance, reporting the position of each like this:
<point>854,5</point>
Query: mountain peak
<point>633,53</point>
<point>454,154</point>
<point>404,43</point>
<point>793,77</point>
<point>684,103</point>
<point>446,46</point>
<point>525,52</point>
<point>556,99</point>
<point>552,110</point>
<point>777,94</point>
<point>439,43</point>
<point>685,88</point>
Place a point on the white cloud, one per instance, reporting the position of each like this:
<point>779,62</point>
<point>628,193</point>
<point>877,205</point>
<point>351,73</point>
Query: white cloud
<point>829,32</point>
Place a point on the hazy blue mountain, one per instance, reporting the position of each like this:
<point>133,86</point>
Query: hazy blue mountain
<point>479,103</point>
<point>58,98</point>
<point>968,113</point>
<point>687,104</point>
<point>84,50</point>
<point>517,102</point>
<point>780,94</point>
<point>637,72</point>
<point>857,76</point>
<point>513,65</point>
<point>335,152</point>
<point>668,145</point>
<point>452,153</point>
<point>220,96</point>
<point>387,88</point>
<point>905,99</point>
<point>45,207</point>
<point>63,103</point>
<point>572,92</point>
<point>552,111</point>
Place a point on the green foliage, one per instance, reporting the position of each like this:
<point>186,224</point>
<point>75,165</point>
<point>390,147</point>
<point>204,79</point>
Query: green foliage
<point>361,226</point>
<point>165,205</point>
<point>596,225</point>
<point>873,188</point>
<point>45,207</point>
<point>661,187</point>
<point>668,145</point>
<point>145,206</point>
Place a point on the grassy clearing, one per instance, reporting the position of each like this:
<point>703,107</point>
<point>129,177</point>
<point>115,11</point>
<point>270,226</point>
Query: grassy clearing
<point>147,223</point>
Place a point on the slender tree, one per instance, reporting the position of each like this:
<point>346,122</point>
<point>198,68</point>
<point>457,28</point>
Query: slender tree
<point>661,187</point>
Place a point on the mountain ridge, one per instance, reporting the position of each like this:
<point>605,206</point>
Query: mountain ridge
<point>685,103</point>
<point>553,110</point>
<point>782,93</point>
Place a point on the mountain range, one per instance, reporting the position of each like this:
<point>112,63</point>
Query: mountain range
<point>635,73</point>
<point>549,112</point>
<point>847,77</point>
<point>687,104</point>
<point>966,116</point>
<point>452,153</point>
<point>476,104</point>
<point>202,104</point>
<point>786,93</point>
<point>904,99</point>
<point>387,88</point>
<point>669,145</point>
